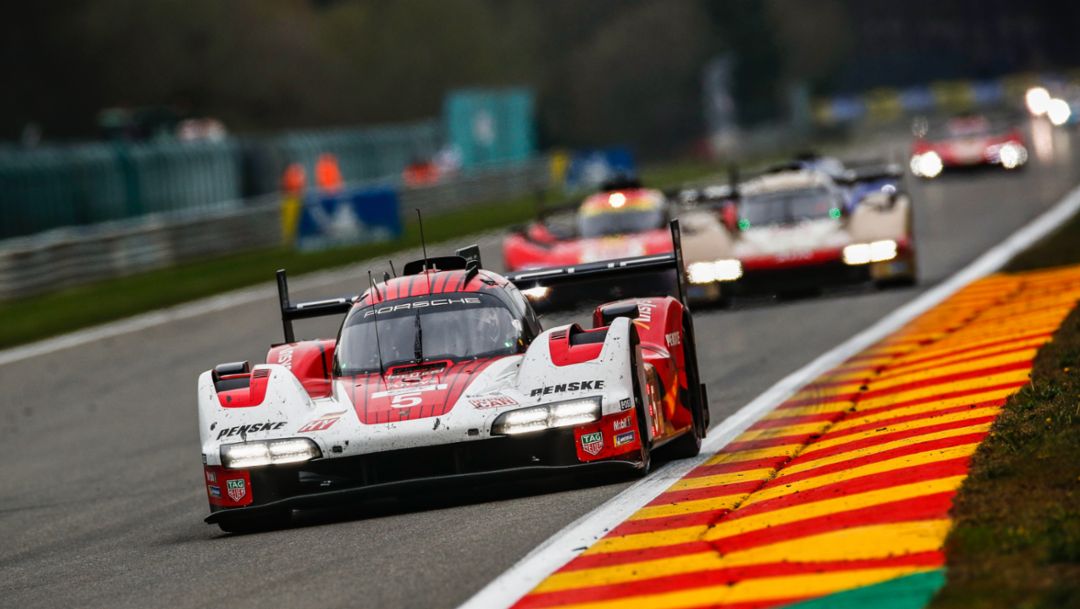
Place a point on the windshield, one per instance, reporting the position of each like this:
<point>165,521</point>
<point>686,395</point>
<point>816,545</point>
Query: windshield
<point>621,213</point>
<point>787,207</point>
<point>412,330</point>
<point>620,222</point>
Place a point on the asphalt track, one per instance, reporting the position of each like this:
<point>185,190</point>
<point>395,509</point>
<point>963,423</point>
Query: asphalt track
<point>101,499</point>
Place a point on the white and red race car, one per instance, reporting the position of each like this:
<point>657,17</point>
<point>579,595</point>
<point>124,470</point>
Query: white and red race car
<point>966,141</point>
<point>444,375</point>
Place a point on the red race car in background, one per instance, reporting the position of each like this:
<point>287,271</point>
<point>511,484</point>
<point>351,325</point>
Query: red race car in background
<point>622,221</point>
<point>966,141</point>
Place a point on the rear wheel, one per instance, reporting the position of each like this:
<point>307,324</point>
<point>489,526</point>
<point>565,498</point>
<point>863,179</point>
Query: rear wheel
<point>685,446</point>
<point>689,444</point>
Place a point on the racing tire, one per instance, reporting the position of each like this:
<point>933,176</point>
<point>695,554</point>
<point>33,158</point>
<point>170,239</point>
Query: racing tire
<point>258,523</point>
<point>639,409</point>
<point>685,446</point>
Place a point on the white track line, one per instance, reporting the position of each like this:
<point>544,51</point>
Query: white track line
<point>509,587</point>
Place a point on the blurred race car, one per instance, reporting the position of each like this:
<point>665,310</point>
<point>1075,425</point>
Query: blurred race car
<point>443,376</point>
<point>794,230</point>
<point>621,221</point>
<point>966,141</point>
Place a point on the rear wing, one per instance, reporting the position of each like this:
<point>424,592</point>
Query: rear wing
<point>306,310</point>
<point>621,268</point>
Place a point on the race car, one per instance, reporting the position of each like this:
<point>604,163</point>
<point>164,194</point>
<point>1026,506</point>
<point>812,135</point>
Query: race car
<point>966,141</point>
<point>444,376</point>
<point>623,220</point>
<point>794,230</point>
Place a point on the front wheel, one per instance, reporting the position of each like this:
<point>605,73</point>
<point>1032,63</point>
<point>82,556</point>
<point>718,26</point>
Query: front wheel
<point>640,397</point>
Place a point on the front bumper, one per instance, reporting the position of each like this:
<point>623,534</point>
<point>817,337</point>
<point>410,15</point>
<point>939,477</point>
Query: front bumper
<point>346,496</point>
<point>332,481</point>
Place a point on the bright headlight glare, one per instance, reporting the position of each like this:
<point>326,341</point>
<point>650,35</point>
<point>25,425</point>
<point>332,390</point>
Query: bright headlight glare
<point>270,452</point>
<point>1011,155</point>
<point>1058,111</point>
<point>577,412</point>
<point>291,451</point>
<point>865,253</point>
<point>537,418</point>
<point>927,164</point>
<point>1036,99</point>
<point>857,253</point>
<point>881,251</point>
<point>718,270</point>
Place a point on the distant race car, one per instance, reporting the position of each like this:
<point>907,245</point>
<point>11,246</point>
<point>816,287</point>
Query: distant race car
<point>442,376</point>
<point>966,141</point>
<point>621,221</point>
<point>793,229</point>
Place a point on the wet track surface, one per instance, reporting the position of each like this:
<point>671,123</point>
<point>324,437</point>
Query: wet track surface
<point>101,498</point>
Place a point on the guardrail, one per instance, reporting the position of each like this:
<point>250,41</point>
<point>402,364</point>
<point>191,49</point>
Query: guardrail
<point>67,257</point>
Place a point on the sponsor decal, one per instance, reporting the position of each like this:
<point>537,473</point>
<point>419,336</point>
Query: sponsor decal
<point>492,401</point>
<point>422,304</point>
<point>285,357</point>
<point>625,404</point>
<point>252,428</point>
<point>592,443</point>
<point>211,477</point>
<point>237,488</point>
<point>215,491</point>
<point>645,310</point>
<point>322,423</point>
<point>623,423</point>
<point>672,339</point>
<point>574,386</point>
<point>624,438</point>
<point>408,390</point>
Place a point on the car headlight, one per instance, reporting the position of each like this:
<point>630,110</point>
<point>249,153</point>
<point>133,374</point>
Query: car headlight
<point>268,452</point>
<point>718,270</point>
<point>927,164</point>
<point>1058,111</point>
<point>547,416</point>
<point>865,253</point>
<point>1011,155</point>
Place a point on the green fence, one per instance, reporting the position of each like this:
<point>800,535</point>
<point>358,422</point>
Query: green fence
<point>49,187</point>
<point>54,186</point>
<point>364,154</point>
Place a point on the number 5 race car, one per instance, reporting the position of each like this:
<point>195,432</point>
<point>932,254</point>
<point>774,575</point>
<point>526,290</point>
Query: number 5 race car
<point>444,376</point>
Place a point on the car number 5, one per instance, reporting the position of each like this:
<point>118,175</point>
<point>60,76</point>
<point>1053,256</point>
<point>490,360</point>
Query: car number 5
<point>406,400</point>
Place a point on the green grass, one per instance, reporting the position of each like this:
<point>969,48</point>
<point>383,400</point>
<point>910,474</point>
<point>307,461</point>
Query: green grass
<point>38,317</point>
<point>1059,248</point>
<point>1016,539</point>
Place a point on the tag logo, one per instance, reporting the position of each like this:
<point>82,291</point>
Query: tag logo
<point>592,443</point>
<point>237,489</point>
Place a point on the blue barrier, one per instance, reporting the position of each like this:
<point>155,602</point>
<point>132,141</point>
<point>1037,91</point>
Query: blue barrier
<point>590,168</point>
<point>354,216</point>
